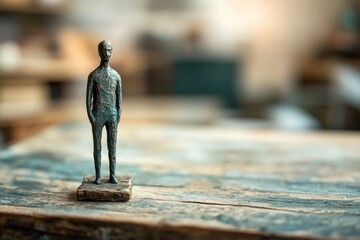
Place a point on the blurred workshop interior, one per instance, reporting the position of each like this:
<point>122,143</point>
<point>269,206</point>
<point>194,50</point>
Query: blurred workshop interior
<point>291,65</point>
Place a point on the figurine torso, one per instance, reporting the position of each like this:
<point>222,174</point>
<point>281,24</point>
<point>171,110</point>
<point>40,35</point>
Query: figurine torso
<point>105,81</point>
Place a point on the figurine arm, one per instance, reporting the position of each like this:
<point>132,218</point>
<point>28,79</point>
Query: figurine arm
<point>119,97</point>
<point>89,98</point>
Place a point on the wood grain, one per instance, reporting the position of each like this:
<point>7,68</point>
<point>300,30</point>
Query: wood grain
<point>189,183</point>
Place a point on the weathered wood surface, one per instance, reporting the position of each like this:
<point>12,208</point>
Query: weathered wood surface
<point>106,191</point>
<point>189,183</point>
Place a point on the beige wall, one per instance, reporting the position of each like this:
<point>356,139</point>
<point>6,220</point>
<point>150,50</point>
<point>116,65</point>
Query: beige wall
<point>271,36</point>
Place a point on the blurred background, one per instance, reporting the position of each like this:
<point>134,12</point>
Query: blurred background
<point>290,65</point>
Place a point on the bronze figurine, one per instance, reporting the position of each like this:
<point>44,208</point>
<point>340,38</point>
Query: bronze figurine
<point>103,104</point>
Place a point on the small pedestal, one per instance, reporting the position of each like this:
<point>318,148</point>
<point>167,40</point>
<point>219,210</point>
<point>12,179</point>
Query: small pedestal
<point>106,191</point>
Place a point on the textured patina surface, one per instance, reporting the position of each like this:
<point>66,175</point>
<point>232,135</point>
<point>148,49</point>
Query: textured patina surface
<point>103,104</point>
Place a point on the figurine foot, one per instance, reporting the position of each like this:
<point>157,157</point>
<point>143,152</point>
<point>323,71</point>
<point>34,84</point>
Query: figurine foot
<point>113,180</point>
<point>97,181</point>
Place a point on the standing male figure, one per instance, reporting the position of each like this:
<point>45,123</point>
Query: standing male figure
<point>103,104</point>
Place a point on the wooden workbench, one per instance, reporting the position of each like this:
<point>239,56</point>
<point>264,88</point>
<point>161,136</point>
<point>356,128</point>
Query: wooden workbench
<point>190,182</point>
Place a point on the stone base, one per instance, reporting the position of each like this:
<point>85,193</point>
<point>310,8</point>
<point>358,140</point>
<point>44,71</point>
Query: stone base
<point>106,191</point>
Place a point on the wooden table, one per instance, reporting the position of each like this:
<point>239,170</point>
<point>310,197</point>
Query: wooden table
<point>190,182</point>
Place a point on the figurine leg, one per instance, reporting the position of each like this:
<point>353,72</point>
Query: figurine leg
<point>97,131</point>
<point>111,129</point>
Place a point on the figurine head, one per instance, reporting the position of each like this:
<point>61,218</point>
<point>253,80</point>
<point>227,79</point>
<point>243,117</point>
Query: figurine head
<point>105,50</point>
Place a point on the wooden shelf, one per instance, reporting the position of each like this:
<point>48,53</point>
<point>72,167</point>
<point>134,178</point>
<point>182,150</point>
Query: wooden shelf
<point>33,7</point>
<point>46,69</point>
